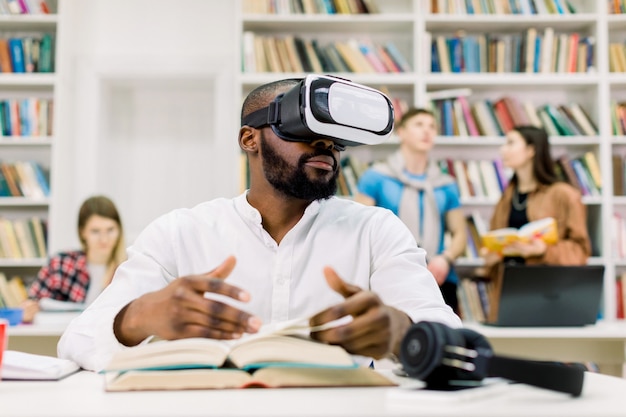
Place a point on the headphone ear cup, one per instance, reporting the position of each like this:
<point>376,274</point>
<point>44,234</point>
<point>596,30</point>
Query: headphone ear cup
<point>475,340</point>
<point>423,349</point>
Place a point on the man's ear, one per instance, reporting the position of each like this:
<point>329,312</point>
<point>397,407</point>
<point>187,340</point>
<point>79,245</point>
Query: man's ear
<point>248,139</point>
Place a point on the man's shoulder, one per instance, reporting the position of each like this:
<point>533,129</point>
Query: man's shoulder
<point>341,205</point>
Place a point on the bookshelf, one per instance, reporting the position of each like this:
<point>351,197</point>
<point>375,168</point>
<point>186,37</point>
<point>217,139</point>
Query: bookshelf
<point>32,92</point>
<point>411,26</point>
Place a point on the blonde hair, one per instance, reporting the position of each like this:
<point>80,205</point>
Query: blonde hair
<point>103,206</point>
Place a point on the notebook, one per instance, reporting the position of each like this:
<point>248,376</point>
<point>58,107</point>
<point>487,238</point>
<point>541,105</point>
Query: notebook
<point>550,296</point>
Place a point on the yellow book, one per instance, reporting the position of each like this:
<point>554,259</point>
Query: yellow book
<point>281,356</point>
<point>544,229</point>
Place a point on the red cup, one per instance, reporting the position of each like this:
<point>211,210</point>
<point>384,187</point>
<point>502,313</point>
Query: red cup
<point>4,339</point>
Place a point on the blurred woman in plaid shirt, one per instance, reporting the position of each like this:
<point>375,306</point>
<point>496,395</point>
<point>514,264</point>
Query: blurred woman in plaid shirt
<point>80,276</point>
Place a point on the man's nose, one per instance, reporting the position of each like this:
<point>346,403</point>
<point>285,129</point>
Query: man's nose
<point>323,143</point>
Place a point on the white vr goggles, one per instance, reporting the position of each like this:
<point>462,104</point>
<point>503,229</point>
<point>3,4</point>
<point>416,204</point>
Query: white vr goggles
<point>322,106</point>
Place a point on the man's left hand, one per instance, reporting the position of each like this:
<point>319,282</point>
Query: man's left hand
<point>376,329</point>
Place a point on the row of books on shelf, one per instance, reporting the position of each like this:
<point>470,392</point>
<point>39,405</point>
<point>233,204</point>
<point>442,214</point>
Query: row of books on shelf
<point>458,117</point>
<point>527,52</point>
<point>12,291</point>
<point>26,117</point>
<point>27,54</point>
<point>474,297</point>
<point>295,54</point>
<point>24,179</point>
<point>521,7</point>
<point>310,6</point>
<point>23,238</point>
<point>616,6</point>
<point>487,179</point>
<point>21,7</point>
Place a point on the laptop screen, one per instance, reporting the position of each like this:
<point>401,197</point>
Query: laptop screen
<point>547,295</point>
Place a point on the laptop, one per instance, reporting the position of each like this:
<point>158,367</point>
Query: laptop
<point>550,296</point>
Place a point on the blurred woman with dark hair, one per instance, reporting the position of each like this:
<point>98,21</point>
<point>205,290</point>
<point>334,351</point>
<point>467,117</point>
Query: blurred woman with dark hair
<point>535,192</point>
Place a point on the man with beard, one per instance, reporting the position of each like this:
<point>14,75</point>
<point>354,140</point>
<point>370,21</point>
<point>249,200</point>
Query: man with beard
<point>284,249</point>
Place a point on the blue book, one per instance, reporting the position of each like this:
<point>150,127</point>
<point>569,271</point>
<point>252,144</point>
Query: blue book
<point>25,120</point>
<point>5,191</point>
<point>469,6</point>
<point>559,6</point>
<point>17,55</point>
<point>456,54</point>
<point>6,113</point>
<point>397,57</point>
<point>329,7</point>
<point>537,59</point>
<point>435,65</point>
<point>42,178</point>
<point>583,180</point>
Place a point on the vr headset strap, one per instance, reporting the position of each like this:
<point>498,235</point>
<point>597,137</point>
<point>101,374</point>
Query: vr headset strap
<point>263,117</point>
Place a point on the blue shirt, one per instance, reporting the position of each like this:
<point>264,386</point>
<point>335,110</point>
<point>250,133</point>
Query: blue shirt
<point>387,191</point>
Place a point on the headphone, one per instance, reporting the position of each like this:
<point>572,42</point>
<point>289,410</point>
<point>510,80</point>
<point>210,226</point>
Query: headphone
<point>439,355</point>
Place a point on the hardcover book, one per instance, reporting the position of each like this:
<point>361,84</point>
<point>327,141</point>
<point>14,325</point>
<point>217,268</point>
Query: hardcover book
<point>283,356</point>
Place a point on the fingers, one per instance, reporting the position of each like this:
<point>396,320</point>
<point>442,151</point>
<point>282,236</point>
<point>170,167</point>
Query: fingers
<point>354,306</point>
<point>368,334</point>
<point>213,281</point>
<point>224,269</point>
<point>198,310</point>
<point>339,285</point>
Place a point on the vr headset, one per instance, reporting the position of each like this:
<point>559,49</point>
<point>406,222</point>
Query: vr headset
<point>327,107</point>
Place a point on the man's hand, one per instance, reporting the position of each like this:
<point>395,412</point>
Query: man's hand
<point>376,329</point>
<point>180,310</point>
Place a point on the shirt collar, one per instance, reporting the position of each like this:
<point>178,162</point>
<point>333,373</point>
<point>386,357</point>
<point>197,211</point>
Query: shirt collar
<point>251,214</point>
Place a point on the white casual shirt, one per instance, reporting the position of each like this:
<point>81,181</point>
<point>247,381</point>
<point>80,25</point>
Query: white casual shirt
<point>367,246</point>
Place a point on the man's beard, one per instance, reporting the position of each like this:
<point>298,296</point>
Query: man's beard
<point>295,182</point>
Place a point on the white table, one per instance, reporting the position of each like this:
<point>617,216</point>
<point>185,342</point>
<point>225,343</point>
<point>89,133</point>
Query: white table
<point>83,394</point>
<point>603,343</point>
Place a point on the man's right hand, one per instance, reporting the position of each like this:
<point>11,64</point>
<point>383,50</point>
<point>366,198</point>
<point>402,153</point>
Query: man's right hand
<point>180,310</point>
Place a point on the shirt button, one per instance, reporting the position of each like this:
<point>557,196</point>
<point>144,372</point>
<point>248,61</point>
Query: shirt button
<point>281,281</point>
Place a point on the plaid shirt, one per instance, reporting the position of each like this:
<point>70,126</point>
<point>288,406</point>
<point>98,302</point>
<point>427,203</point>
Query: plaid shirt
<point>65,278</point>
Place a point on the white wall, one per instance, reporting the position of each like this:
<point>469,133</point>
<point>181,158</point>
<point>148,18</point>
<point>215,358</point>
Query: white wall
<point>145,110</point>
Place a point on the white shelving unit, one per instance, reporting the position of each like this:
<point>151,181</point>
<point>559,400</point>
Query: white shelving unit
<point>38,149</point>
<point>409,24</point>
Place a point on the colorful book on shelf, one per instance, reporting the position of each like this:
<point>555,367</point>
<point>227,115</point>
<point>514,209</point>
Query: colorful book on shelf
<point>278,356</point>
<point>544,229</point>
<point>16,50</point>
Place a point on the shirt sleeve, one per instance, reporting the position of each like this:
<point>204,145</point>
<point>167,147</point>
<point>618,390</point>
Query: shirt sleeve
<point>89,339</point>
<point>453,198</point>
<point>400,276</point>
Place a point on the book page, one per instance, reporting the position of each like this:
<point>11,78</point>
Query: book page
<point>27,366</point>
<point>171,354</point>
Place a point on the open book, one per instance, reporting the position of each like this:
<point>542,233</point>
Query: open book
<point>544,229</point>
<point>283,356</point>
<point>28,366</point>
